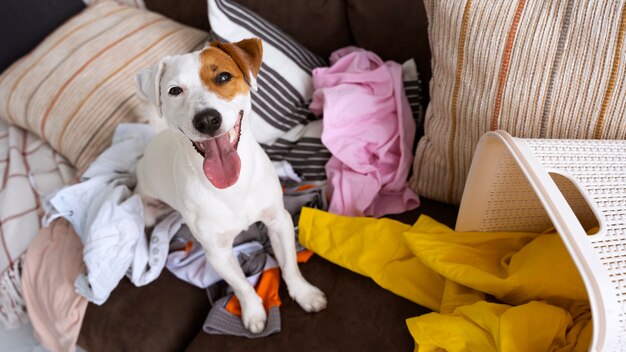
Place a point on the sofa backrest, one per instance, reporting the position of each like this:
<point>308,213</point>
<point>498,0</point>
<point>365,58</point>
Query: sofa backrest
<point>394,29</point>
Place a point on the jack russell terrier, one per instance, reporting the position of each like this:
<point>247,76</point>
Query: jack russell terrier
<point>208,166</point>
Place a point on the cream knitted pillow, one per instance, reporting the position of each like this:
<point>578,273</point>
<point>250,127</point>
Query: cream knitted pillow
<point>537,69</point>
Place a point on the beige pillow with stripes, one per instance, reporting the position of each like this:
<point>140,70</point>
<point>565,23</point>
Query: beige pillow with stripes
<point>78,84</point>
<point>537,69</point>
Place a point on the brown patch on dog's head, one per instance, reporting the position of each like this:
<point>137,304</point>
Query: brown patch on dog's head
<point>240,61</point>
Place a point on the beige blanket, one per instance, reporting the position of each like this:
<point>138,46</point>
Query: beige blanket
<point>29,170</point>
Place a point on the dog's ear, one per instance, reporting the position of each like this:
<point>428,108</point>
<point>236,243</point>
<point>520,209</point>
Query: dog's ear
<point>149,84</point>
<point>248,54</point>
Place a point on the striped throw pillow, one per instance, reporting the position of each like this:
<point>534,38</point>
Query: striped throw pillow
<point>285,85</point>
<point>537,69</point>
<point>78,84</point>
<point>280,108</point>
<point>281,120</point>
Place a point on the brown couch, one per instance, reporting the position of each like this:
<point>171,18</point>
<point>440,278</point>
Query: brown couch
<point>168,314</point>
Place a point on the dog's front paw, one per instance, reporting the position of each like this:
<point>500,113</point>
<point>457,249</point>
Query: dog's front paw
<point>254,317</point>
<point>310,298</point>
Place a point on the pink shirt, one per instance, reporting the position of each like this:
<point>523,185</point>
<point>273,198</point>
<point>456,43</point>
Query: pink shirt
<point>369,129</point>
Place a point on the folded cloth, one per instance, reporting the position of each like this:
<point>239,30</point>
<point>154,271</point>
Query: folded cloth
<point>369,129</point>
<point>540,300</point>
<point>52,262</point>
<point>108,218</point>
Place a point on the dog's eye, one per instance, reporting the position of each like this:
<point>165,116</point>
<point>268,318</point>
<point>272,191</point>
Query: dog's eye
<point>175,91</point>
<point>223,78</point>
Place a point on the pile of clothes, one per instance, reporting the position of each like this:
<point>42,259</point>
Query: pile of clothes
<point>94,230</point>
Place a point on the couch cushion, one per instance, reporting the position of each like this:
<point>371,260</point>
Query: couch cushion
<point>536,69</point>
<point>360,317</point>
<point>393,29</point>
<point>78,84</point>
<point>296,18</point>
<point>168,314</point>
<point>165,315</point>
<point>320,25</point>
<point>192,14</point>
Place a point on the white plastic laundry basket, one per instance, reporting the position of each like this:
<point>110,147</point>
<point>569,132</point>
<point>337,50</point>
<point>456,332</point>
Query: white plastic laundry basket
<point>519,184</point>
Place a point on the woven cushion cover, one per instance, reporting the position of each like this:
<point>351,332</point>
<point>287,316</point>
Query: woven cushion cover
<point>537,69</point>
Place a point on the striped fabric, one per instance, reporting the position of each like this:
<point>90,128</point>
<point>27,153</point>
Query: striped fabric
<point>413,92</point>
<point>285,85</point>
<point>302,147</point>
<point>78,84</point>
<point>537,69</point>
<point>280,108</point>
<point>281,119</point>
<point>29,170</point>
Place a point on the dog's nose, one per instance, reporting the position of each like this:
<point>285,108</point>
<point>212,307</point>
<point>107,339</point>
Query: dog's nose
<point>207,121</point>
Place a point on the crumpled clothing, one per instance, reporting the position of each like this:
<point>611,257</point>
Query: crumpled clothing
<point>369,129</point>
<point>151,252</point>
<point>53,261</point>
<point>188,262</point>
<point>284,170</point>
<point>491,291</point>
<point>252,248</point>
<point>186,258</point>
<point>224,318</point>
<point>108,218</point>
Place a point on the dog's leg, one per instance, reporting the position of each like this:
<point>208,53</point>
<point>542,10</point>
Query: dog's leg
<point>219,252</point>
<point>282,238</point>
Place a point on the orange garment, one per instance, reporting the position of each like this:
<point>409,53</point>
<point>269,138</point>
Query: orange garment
<point>267,287</point>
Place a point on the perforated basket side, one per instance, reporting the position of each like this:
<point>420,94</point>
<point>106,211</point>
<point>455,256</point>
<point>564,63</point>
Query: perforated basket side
<point>530,185</point>
<point>599,167</point>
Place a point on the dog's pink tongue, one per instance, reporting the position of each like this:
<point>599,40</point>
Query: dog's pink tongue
<point>221,162</point>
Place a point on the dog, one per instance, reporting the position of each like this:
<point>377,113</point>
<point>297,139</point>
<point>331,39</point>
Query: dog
<point>207,165</point>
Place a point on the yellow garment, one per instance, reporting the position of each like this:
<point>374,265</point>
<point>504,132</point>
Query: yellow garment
<point>542,302</point>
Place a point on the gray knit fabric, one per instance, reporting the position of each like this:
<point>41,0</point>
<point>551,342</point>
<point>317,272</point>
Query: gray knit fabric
<point>221,322</point>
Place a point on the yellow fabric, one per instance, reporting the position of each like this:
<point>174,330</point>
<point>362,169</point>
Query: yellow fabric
<point>541,300</point>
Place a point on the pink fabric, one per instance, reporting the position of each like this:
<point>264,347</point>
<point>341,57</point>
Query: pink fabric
<point>369,129</point>
<point>53,261</point>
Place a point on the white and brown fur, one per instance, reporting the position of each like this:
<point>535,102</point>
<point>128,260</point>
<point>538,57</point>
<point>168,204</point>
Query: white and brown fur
<point>171,168</point>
